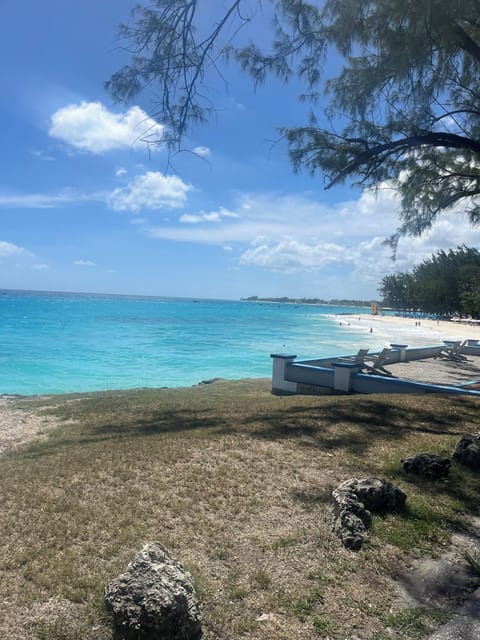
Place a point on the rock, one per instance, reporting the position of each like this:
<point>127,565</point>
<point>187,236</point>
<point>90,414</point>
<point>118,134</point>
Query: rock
<point>376,494</point>
<point>154,599</point>
<point>353,503</point>
<point>379,495</point>
<point>350,518</point>
<point>212,381</point>
<point>467,451</point>
<point>351,529</point>
<point>427,465</point>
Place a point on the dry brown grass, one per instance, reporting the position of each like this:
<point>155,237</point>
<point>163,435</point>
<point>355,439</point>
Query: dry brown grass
<point>237,483</point>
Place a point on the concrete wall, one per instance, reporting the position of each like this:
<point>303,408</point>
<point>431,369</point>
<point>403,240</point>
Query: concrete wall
<point>307,374</point>
<point>471,350</point>
<point>420,353</point>
<point>340,374</point>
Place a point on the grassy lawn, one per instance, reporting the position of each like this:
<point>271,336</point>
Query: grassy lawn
<point>236,483</point>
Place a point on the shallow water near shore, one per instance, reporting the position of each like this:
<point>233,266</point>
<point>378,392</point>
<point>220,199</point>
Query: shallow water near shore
<point>61,342</point>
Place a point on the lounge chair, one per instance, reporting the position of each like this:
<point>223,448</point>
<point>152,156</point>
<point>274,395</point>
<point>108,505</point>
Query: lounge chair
<point>374,363</point>
<point>359,357</point>
<point>454,352</point>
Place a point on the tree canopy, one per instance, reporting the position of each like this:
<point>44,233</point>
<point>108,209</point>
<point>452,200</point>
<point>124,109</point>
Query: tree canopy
<point>404,109</point>
<point>447,283</point>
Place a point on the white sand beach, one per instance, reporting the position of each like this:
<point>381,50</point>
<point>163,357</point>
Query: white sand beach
<point>381,330</point>
<point>377,332</point>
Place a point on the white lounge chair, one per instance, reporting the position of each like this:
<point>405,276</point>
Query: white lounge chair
<point>454,352</point>
<point>359,357</point>
<point>374,363</point>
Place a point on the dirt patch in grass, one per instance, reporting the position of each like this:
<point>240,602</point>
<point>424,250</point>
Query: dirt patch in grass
<point>236,483</point>
<point>19,425</point>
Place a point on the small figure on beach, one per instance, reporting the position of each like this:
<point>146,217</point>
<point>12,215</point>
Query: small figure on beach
<point>371,330</point>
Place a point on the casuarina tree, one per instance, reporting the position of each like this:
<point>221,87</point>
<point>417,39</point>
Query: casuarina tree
<point>403,109</point>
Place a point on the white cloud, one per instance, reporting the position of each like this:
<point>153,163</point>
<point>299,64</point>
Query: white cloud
<point>90,126</point>
<point>120,172</point>
<point>8,249</point>
<point>212,216</point>
<point>203,152</point>
<point>42,155</point>
<point>84,263</point>
<point>40,200</point>
<point>40,267</point>
<point>237,105</point>
<point>295,232</point>
<point>291,255</point>
<point>151,190</point>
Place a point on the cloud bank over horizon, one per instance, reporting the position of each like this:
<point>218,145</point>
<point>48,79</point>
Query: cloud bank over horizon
<point>295,233</point>
<point>285,233</point>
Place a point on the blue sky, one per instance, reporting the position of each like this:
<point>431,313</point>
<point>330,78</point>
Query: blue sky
<point>85,207</point>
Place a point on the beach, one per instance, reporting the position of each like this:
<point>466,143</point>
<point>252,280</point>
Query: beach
<point>411,331</point>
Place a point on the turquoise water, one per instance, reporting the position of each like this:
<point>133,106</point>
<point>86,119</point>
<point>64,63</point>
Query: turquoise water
<point>59,342</point>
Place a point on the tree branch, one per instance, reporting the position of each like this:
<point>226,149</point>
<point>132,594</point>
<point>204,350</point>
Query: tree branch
<point>467,43</point>
<point>431,139</point>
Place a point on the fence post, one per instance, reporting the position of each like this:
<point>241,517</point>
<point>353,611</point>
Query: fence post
<point>342,374</point>
<point>280,385</point>
<point>403,350</point>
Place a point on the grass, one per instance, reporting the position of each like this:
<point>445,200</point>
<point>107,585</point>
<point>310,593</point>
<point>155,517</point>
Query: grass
<point>236,483</point>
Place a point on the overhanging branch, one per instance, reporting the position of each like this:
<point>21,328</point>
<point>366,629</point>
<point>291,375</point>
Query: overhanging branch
<point>467,43</point>
<point>378,152</point>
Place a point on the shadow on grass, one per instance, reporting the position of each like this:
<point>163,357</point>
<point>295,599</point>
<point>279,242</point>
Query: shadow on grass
<point>313,497</point>
<point>351,423</point>
<point>354,425</point>
<point>167,422</point>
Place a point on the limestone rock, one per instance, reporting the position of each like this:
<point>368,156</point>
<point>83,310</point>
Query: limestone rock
<point>154,599</point>
<point>351,529</point>
<point>467,451</point>
<point>353,503</point>
<point>378,495</point>
<point>427,465</point>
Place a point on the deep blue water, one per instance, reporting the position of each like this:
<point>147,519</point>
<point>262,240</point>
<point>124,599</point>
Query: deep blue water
<point>61,342</point>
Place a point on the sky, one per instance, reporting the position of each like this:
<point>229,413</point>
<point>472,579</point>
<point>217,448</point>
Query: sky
<point>85,206</point>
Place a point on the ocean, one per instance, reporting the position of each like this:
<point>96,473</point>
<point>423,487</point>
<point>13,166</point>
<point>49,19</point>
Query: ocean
<point>71,342</point>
